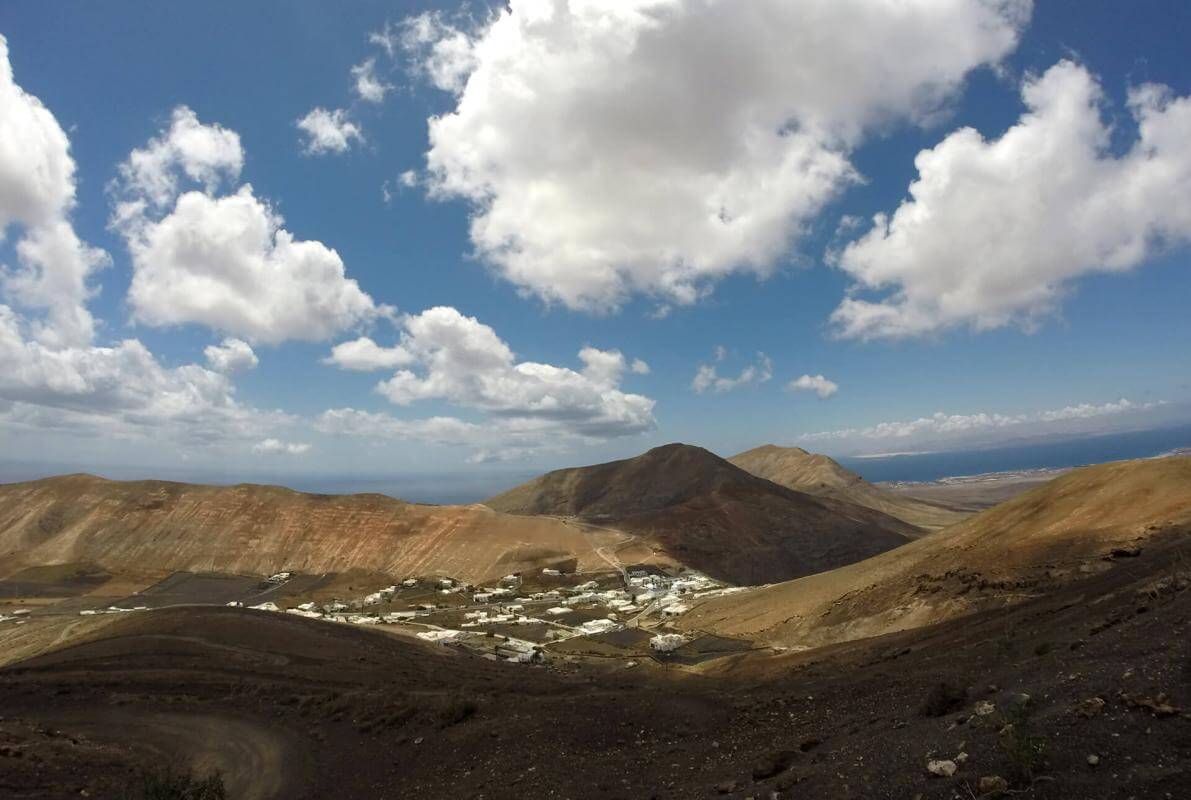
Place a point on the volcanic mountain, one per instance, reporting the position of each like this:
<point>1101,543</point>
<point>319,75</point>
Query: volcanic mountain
<point>820,475</point>
<point>161,526</point>
<point>1072,527</point>
<point>709,514</point>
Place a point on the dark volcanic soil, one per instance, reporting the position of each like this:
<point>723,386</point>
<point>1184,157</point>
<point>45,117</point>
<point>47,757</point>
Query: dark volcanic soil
<point>293,708</point>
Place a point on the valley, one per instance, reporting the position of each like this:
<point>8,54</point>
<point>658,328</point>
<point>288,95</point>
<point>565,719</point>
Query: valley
<point>529,658</point>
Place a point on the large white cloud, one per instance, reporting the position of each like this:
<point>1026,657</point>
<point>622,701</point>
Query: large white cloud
<point>657,145</point>
<point>995,231</point>
<point>52,374</point>
<point>206,154</point>
<point>459,360</point>
<point>121,390</point>
<point>464,362</point>
<point>37,193</point>
<point>225,262</point>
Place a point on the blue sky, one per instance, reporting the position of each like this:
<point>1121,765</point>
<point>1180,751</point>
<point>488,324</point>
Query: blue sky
<point>112,75</point>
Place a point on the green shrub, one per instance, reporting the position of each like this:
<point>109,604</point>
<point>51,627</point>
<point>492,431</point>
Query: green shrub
<point>1023,746</point>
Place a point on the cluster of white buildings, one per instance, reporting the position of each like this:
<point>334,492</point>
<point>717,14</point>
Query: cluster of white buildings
<point>92,612</point>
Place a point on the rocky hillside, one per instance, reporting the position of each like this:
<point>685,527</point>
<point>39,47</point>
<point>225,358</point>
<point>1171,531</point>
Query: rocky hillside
<point>156,525</point>
<point>1080,524</point>
<point>707,513</point>
<point>820,475</point>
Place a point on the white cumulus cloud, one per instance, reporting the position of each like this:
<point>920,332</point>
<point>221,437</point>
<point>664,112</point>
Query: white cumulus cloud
<point>232,355</point>
<point>328,131</point>
<point>365,355</point>
<point>813,383</point>
<point>37,192</point>
<point>525,406</point>
<point>997,230</point>
<point>206,154</point>
<point>654,146</point>
<point>369,86</point>
<point>464,362</point>
<point>226,262</point>
<point>707,375</point>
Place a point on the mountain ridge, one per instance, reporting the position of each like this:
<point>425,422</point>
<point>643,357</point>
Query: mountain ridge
<point>710,514</point>
<point>822,476</point>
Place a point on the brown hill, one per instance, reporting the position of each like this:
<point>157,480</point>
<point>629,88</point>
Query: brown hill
<point>820,475</point>
<point>156,525</point>
<point>1074,526</point>
<point>712,515</point>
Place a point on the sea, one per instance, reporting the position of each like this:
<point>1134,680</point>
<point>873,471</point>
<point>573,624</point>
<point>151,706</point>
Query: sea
<point>923,467</point>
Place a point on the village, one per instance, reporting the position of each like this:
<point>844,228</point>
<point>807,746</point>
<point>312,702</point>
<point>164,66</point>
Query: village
<point>548,615</point>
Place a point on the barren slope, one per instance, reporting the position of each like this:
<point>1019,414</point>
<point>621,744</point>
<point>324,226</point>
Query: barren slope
<point>819,475</point>
<point>155,525</point>
<point>1044,538</point>
<point>712,515</point>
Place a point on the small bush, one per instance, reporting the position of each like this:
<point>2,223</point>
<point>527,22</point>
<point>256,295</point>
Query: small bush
<point>171,784</point>
<point>943,699</point>
<point>1024,748</point>
<point>457,709</point>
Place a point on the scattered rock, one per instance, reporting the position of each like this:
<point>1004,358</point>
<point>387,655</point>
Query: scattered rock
<point>1093,760</point>
<point>1090,708</point>
<point>944,768</point>
<point>993,784</point>
<point>984,708</point>
<point>962,758</point>
<point>1159,706</point>
<point>727,787</point>
<point>1125,552</point>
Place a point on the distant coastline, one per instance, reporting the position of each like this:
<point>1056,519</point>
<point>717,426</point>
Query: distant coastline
<point>1026,461</point>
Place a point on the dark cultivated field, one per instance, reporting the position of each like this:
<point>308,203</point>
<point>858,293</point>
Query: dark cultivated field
<point>291,708</point>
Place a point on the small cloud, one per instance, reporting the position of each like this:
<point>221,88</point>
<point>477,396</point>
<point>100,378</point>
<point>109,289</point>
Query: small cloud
<point>233,355</point>
<point>270,447</point>
<point>813,383</point>
<point>369,87</point>
<point>708,377</point>
<point>640,367</point>
<point>328,131</point>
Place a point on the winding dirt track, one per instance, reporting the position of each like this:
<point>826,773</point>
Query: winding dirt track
<point>255,762</point>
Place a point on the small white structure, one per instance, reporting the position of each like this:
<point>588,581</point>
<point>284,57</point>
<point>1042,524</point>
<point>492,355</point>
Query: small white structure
<point>266,606</point>
<point>597,626</point>
<point>587,587</point>
<point>558,611</point>
<point>232,604</point>
<point>442,636</point>
<point>409,583</point>
<point>553,573</point>
<point>667,642</point>
<point>482,597</point>
<point>300,612</point>
<point>280,577</point>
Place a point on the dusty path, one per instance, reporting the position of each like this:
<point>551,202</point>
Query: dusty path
<point>256,763</point>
